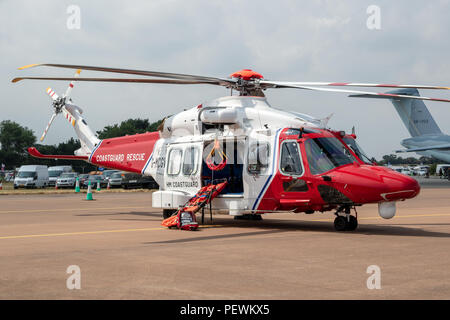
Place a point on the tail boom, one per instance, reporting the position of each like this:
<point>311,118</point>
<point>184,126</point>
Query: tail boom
<point>129,153</point>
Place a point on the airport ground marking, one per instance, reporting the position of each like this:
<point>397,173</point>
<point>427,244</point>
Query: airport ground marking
<point>78,233</point>
<point>163,228</point>
<point>91,232</point>
<point>71,209</point>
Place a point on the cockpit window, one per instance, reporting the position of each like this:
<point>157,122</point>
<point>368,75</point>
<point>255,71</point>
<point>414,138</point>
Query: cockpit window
<point>325,154</point>
<point>357,150</point>
<point>291,163</point>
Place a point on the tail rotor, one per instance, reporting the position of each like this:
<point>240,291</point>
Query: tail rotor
<point>59,105</point>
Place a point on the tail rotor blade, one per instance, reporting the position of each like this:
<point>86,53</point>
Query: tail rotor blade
<point>52,94</point>
<point>70,87</point>
<point>48,126</point>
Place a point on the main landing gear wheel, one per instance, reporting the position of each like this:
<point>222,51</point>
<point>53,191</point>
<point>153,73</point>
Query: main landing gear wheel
<point>342,223</point>
<point>352,223</point>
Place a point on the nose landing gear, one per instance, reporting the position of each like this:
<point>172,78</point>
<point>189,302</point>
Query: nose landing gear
<point>345,222</point>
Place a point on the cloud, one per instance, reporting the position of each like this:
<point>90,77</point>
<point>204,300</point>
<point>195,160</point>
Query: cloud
<point>283,40</point>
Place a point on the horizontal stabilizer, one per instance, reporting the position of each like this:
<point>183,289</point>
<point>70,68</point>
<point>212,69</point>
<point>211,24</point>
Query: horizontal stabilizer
<point>35,153</point>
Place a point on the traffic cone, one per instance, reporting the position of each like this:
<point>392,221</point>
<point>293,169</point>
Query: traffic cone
<point>77,185</point>
<point>98,186</point>
<point>89,192</point>
<point>108,186</point>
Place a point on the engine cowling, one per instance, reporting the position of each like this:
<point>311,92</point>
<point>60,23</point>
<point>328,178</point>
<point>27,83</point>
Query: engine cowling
<point>220,115</point>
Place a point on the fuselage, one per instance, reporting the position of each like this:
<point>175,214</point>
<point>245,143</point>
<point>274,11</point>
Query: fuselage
<point>271,165</point>
<point>430,141</point>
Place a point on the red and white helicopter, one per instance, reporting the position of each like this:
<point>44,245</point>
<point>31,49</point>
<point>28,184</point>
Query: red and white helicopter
<point>272,160</point>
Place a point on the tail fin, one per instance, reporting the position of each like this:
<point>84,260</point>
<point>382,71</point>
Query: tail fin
<point>414,114</point>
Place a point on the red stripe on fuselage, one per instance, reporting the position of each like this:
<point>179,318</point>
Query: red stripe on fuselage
<point>128,153</point>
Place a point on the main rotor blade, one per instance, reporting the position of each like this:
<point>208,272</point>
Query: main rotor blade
<point>169,81</point>
<point>48,127</point>
<point>158,74</point>
<point>354,84</point>
<point>275,84</point>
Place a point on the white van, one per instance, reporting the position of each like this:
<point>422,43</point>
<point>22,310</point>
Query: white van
<point>31,176</point>
<point>55,172</point>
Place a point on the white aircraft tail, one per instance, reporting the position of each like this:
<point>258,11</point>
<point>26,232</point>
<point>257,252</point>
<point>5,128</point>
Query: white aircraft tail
<point>414,114</point>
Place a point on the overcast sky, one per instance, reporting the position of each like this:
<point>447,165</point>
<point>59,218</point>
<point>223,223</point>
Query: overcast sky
<point>282,40</point>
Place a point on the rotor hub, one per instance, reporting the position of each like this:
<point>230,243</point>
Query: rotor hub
<point>248,82</point>
<point>246,74</point>
<point>59,103</point>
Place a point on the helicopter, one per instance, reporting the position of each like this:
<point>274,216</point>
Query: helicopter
<point>272,160</point>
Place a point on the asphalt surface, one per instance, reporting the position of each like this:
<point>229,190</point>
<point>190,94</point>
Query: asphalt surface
<point>433,182</point>
<point>124,253</point>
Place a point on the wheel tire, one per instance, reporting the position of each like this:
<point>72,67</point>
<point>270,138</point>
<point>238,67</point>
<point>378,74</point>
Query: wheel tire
<point>168,213</point>
<point>340,223</point>
<point>352,224</point>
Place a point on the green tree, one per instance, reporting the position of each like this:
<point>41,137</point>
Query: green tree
<point>433,168</point>
<point>14,140</point>
<point>128,127</point>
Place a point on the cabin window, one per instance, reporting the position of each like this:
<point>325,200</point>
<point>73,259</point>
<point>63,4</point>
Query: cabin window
<point>174,162</point>
<point>190,161</point>
<point>291,163</point>
<point>325,154</point>
<point>258,157</point>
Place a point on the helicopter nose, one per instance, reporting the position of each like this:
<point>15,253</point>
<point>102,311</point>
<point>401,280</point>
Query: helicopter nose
<point>370,184</point>
<point>399,186</point>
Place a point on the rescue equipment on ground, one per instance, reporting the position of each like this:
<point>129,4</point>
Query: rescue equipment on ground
<point>184,218</point>
<point>211,156</point>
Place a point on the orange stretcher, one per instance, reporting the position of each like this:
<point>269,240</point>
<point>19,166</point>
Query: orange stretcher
<point>184,218</point>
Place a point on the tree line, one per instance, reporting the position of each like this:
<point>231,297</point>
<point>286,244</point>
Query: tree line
<point>16,139</point>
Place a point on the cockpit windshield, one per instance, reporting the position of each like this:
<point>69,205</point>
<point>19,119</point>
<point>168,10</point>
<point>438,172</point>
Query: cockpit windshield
<point>357,150</point>
<point>325,154</point>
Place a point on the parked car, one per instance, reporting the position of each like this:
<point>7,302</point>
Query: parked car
<point>115,180</point>
<point>67,180</point>
<point>407,171</point>
<point>136,180</point>
<point>94,178</point>
<point>9,175</point>
<point>55,172</point>
<point>31,176</point>
<point>107,173</point>
<point>82,177</point>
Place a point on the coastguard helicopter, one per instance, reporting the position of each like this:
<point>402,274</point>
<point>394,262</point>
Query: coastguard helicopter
<point>272,160</point>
